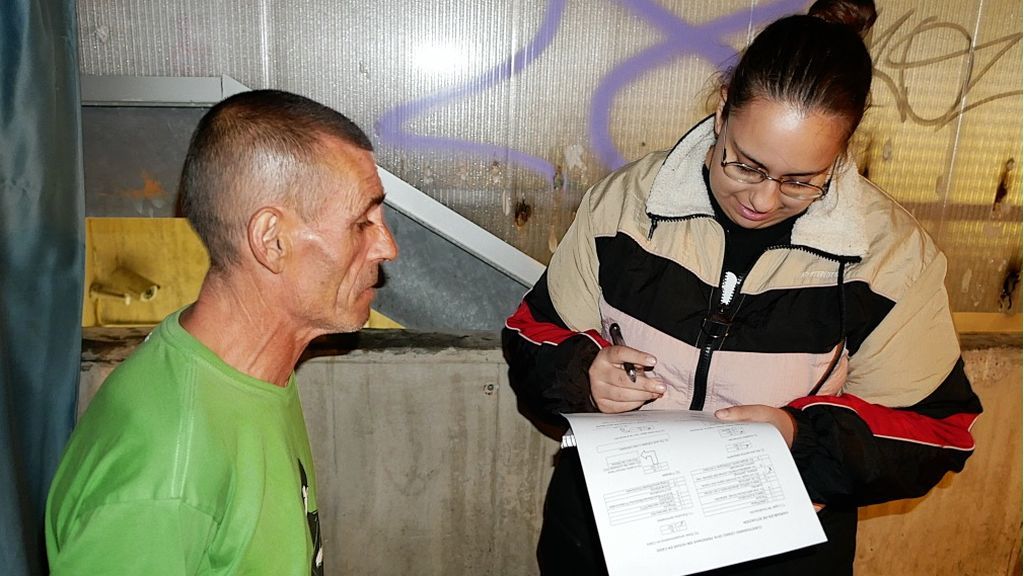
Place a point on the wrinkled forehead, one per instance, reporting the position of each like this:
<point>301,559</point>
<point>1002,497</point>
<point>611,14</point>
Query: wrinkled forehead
<point>353,180</point>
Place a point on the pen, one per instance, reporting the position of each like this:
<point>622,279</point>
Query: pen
<point>616,334</point>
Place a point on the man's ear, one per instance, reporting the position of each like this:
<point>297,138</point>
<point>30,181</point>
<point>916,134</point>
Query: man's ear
<point>267,239</point>
<point>723,97</point>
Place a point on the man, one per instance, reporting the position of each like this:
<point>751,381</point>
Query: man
<point>193,457</point>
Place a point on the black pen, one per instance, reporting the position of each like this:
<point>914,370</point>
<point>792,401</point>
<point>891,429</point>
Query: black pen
<point>616,334</point>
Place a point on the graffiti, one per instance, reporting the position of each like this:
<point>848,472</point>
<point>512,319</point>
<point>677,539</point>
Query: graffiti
<point>390,127</point>
<point>680,38</point>
<point>891,50</point>
<point>895,51</point>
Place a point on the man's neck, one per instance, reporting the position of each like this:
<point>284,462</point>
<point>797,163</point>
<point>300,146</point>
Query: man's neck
<point>233,318</point>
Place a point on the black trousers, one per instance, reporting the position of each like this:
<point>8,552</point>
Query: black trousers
<point>569,542</point>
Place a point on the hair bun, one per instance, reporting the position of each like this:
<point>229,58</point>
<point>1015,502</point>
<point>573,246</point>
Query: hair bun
<point>858,15</point>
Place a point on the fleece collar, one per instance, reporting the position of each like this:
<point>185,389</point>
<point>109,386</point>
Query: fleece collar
<point>834,224</point>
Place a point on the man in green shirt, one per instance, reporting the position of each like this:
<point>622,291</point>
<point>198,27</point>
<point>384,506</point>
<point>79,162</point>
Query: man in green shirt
<point>193,456</point>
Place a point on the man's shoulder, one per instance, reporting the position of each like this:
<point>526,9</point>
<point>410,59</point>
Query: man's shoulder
<point>136,418</point>
<point>147,388</point>
<point>137,440</point>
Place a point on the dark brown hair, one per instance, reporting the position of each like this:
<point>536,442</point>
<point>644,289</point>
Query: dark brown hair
<point>251,149</point>
<point>817,62</point>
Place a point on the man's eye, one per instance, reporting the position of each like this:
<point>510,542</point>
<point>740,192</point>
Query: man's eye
<point>364,224</point>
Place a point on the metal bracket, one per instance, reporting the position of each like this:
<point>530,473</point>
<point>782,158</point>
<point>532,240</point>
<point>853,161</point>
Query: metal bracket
<point>157,90</point>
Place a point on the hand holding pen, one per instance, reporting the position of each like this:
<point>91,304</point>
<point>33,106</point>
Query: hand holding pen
<point>616,382</point>
<point>616,334</point>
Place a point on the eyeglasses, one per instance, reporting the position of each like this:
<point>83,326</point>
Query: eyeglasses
<point>794,189</point>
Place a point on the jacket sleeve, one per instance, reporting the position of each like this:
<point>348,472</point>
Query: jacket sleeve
<point>850,451</point>
<point>904,417</point>
<point>554,335</point>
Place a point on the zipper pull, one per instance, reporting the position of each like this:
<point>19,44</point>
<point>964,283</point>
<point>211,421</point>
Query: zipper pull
<point>729,283</point>
<point>654,224</point>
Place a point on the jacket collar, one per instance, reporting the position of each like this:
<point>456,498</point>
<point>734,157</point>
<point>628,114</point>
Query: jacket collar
<point>835,224</point>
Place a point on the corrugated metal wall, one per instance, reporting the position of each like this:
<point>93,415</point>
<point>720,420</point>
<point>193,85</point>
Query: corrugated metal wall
<point>508,111</point>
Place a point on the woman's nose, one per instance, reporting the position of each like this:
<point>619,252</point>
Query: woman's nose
<point>766,196</point>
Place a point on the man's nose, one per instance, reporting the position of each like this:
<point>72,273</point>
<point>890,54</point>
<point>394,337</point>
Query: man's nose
<point>387,248</point>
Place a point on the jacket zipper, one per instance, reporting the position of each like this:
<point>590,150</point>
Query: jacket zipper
<point>655,220</point>
<point>715,326</point>
<point>714,329</point>
<point>819,253</point>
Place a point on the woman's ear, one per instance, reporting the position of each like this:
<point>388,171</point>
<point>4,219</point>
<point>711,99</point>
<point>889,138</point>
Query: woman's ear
<point>723,97</point>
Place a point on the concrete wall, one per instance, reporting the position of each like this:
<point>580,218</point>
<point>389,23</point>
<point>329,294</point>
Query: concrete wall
<point>971,523</point>
<point>426,467</point>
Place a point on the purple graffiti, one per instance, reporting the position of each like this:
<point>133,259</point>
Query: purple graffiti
<point>680,38</point>
<point>390,125</point>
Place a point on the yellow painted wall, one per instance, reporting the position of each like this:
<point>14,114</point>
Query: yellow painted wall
<point>165,251</point>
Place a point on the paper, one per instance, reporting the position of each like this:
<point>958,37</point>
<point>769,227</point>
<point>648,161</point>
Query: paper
<point>679,492</point>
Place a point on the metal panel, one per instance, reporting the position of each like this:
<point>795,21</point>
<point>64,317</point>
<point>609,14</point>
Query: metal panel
<point>944,137</point>
<point>437,218</point>
<point>436,285</point>
<point>133,157</point>
<point>508,111</point>
<point>156,90</point>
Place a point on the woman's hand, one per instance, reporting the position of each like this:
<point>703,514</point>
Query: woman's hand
<point>611,389</point>
<point>760,413</point>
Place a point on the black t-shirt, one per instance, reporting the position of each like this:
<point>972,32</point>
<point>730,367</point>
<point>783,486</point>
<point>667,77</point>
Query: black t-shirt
<point>744,245</point>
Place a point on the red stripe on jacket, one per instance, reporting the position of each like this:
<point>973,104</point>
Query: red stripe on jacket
<point>522,321</point>
<point>950,432</point>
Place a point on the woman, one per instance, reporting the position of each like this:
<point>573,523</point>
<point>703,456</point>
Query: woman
<point>756,274</point>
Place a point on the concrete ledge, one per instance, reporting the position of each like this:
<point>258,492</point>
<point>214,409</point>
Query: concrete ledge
<point>983,340</point>
<point>115,344</point>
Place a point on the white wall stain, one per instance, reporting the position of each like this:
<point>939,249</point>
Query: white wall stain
<point>965,281</point>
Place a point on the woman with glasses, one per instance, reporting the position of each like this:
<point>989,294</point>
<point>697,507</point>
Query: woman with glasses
<point>755,274</point>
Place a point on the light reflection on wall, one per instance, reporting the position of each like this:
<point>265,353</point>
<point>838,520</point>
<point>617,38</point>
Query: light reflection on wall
<point>447,60</point>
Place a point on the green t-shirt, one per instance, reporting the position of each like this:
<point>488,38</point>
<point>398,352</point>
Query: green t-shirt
<point>184,465</point>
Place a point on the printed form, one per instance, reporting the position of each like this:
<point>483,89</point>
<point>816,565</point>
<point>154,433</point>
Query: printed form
<point>679,492</point>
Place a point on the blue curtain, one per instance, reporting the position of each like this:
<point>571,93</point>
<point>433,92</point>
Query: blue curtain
<point>41,260</point>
